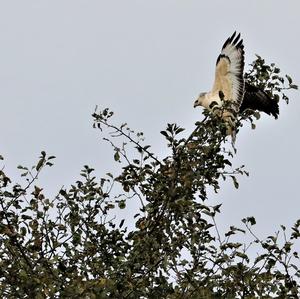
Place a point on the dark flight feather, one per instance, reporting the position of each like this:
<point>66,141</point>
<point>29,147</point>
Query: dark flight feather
<point>257,99</point>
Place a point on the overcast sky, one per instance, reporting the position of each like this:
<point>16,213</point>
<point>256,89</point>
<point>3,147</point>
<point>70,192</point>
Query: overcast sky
<point>147,61</point>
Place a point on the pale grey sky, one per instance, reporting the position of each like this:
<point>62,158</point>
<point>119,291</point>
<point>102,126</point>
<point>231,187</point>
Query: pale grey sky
<point>147,61</point>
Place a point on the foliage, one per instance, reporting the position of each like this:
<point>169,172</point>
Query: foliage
<point>72,246</point>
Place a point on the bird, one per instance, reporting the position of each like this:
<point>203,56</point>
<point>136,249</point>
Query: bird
<point>257,99</point>
<point>231,86</point>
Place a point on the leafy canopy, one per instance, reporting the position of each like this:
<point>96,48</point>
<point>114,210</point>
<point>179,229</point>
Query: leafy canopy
<point>72,246</point>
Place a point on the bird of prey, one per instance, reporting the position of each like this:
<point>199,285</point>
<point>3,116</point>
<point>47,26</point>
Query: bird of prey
<point>230,84</point>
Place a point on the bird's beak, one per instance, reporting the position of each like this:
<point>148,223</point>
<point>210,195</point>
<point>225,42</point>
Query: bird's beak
<point>196,104</point>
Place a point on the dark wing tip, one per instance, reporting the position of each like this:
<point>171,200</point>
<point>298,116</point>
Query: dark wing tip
<point>229,40</point>
<point>234,39</point>
<point>237,42</point>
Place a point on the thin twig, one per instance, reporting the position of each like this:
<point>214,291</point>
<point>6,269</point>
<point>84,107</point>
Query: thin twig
<point>132,140</point>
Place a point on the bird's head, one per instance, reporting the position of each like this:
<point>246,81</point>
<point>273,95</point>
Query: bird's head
<point>199,101</point>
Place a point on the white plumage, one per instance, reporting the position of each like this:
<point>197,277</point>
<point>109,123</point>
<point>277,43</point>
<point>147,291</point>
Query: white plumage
<point>229,78</point>
<point>229,85</point>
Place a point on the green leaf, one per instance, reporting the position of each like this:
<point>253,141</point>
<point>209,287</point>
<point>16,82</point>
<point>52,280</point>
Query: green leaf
<point>260,258</point>
<point>235,182</point>
<point>121,223</point>
<point>40,164</point>
<point>179,130</point>
<point>242,255</point>
<point>250,220</point>
<point>289,79</point>
<point>256,114</point>
<point>117,156</point>
<point>208,213</point>
<point>217,208</point>
<point>23,231</point>
<point>164,133</point>
<point>287,246</point>
<point>122,204</point>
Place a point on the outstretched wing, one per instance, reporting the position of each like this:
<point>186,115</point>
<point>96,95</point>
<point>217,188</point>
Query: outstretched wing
<point>257,99</point>
<point>229,76</point>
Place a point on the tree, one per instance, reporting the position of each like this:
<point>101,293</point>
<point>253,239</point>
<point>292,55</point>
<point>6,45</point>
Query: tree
<point>72,247</point>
